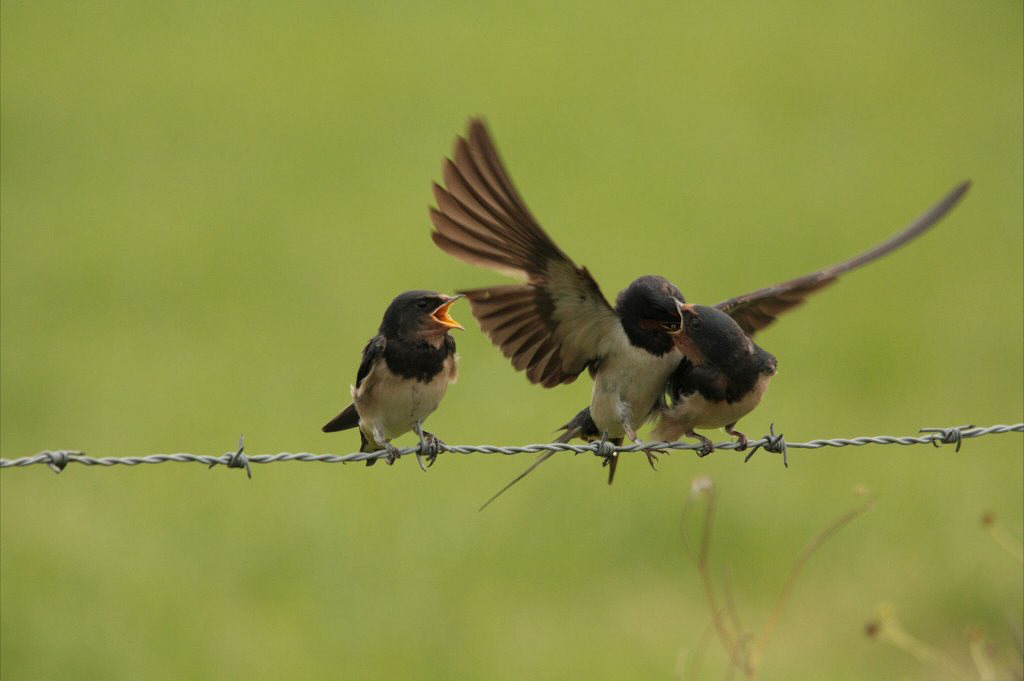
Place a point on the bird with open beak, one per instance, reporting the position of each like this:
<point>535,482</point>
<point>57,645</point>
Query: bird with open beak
<point>723,376</point>
<point>557,323</point>
<point>405,371</point>
<point>724,373</point>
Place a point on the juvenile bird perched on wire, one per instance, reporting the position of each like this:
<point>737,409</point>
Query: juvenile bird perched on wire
<point>558,322</point>
<point>724,374</point>
<point>404,373</point>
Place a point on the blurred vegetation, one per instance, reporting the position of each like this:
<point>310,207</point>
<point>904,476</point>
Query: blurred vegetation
<point>207,206</point>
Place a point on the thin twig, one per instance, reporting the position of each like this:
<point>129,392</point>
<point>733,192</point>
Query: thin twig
<point>794,573</point>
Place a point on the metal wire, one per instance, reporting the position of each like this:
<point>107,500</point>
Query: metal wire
<point>57,460</point>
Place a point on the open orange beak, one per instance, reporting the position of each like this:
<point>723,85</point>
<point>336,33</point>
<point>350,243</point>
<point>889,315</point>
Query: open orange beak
<point>681,308</point>
<point>441,316</point>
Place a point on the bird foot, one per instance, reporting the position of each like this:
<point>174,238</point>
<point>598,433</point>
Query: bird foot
<point>393,453</point>
<point>706,445</point>
<point>652,458</point>
<point>430,447</point>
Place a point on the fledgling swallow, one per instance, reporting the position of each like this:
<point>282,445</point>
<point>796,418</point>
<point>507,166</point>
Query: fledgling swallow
<point>724,373</point>
<point>405,371</point>
<point>558,323</point>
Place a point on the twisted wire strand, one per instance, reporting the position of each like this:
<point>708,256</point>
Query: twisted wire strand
<point>58,460</point>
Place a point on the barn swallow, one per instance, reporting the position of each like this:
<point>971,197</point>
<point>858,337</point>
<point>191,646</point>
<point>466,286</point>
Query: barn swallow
<point>558,323</point>
<point>405,371</point>
<point>724,373</point>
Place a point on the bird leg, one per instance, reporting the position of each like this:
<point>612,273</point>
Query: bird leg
<point>706,445</point>
<point>631,434</point>
<point>741,439</point>
<point>393,452</point>
<point>429,447</point>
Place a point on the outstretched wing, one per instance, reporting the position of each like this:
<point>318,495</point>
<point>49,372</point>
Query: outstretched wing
<point>754,311</point>
<point>556,324</point>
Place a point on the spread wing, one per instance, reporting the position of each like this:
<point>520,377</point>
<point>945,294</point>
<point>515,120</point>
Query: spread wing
<point>556,324</point>
<point>754,311</point>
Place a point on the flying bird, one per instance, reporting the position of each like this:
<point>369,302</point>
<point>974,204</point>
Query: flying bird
<point>724,373</point>
<point>404,373</point>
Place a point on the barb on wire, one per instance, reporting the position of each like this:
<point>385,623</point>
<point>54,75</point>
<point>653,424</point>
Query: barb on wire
<point>59,459</point>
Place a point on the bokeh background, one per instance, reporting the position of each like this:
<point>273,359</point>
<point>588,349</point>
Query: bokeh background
<point>206,208</point>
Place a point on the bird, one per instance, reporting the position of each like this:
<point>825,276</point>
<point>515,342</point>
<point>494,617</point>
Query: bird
<point>558,323</point>
<point>724,374</point>
<point>404,373</point>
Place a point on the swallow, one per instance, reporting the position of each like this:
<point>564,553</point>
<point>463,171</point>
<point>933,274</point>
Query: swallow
<point>558,323</point>
<point>405,371</point>
<point>724,374</point>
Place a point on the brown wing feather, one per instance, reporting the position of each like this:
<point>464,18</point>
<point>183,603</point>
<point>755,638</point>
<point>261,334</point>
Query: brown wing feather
<point>754,311</point>
<point>556,324</point>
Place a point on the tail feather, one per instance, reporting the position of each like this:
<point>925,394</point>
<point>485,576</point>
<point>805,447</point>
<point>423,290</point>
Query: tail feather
<point>580,426</point>
<point>349,418</point>
<point>366,446</point>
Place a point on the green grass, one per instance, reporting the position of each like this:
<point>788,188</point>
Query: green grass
<point>206,208</point>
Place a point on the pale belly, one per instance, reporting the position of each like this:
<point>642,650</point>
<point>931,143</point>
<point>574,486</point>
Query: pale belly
<point>697,412</point>
<point>629,388</point>
<point>390,406</point>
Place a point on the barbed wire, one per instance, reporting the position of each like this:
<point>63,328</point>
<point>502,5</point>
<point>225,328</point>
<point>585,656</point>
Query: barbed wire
<point>59,459</point>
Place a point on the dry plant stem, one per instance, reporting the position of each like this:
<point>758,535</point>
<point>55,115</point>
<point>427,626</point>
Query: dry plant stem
<point>894,633</point>
<point>734,615</point>
<point>690,670</point>
<point>1006,542</point>
<point>727,638</point>
<point>980,657</point>
<point>794,573</point>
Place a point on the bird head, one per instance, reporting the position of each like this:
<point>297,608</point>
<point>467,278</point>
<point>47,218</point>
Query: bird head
<point>419,314</point>
<point>649,312</point>
<point>706,334</point>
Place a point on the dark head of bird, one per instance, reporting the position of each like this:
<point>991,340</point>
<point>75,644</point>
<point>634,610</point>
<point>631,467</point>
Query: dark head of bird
<point>649,312</point>
<point>708,335</point>
<point>419,315</point>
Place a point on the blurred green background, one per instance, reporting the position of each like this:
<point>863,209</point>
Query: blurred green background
<point>206,208</point>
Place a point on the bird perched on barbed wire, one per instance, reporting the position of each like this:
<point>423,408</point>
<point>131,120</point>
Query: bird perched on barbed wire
<point>558,322</point>
<point>724,373</point>
<point>405,371</point>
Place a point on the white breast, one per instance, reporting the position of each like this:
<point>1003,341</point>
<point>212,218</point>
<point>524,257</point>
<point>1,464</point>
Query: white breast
<point>628,386</point>
<point>389,405</point>
<point>694,411</point>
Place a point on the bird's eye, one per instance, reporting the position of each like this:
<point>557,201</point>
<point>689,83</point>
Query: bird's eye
<point>421,303</point>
